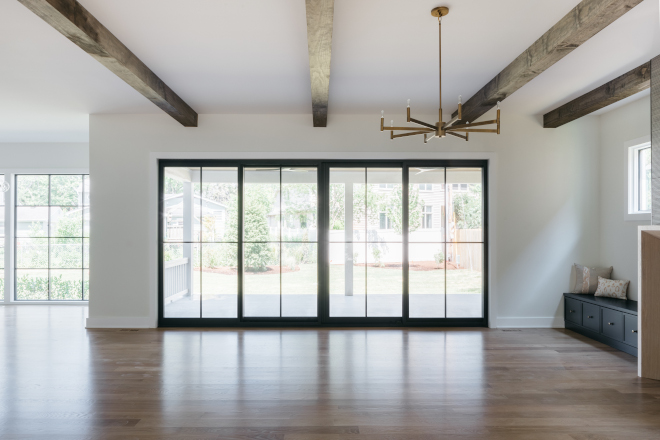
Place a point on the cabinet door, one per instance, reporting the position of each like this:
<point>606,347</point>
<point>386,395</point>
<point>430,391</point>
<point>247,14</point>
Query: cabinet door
<point>573,311</point>
<point>612,324</point>
<point>591,316</point>
<point>630,329</point>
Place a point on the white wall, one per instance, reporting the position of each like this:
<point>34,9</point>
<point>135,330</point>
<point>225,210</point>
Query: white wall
<point>618,241</point>
<point>544,204</point>
<point>44,155</point>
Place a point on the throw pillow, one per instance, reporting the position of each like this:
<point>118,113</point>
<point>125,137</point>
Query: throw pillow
<point>612,288</point>
<point>586,278</point>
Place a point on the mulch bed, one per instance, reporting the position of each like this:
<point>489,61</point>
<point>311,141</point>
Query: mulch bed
<point>270,270</point>
<point>420,266</point>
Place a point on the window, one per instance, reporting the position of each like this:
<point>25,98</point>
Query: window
<point>459,187</point>
<point>385,222</point>
<point>386,186</point>
<point>52,237</point>
<point>426,187</point>
<point>427,219</point>
<point>639,181</point>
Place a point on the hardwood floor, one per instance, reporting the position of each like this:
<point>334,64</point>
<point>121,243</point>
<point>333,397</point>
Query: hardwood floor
<point>60,381</point>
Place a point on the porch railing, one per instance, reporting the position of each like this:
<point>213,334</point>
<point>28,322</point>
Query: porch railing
<point>175,278</point>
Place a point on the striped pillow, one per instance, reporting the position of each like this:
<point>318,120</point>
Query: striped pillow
<point>586,278</point>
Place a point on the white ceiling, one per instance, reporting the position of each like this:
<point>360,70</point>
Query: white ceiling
<point>250,56</point>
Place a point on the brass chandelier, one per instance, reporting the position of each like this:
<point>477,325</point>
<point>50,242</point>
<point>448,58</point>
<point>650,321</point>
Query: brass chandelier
<point>441,129</point>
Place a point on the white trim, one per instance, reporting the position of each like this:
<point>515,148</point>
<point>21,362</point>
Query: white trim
<point>629,149</point>
<point>46,303</point>
<point>104,322</point>
<point>552,322</point>
<point>152,231</point>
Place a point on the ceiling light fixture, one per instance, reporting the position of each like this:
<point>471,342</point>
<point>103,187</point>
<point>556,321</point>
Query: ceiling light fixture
<point>441,129</point>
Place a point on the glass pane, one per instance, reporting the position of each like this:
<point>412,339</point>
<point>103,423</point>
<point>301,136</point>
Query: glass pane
<point>299,279</point>
<point>465,202</point>
<point>464,280</point>
<point>2,193</point>
<point>384,204</point>
<point>219,280</point>
<point>348,192</point>
<point>261,282</point>
<point>384,279</point>
<point>261,204</point>
<point>86,218</point>
<point>427,280</point>
<point>66,190</point>
<point>32,190</point>
<point>181,211</point>
<point>299,200</point>
<point>220,204</point>
<point>86,253</point>
<point>65,222</point>
<point>86,190</point>
<point>86,284</point>
<point>66,253</point>
<point>31,253</point>
<point>32,284</point>
<point>645,179</point>
<point>2,257</point>
<point>426,212</point>
<point>181,281</point>
<point>31,222</point>
<point>347,279</point>
<point>66,285</point>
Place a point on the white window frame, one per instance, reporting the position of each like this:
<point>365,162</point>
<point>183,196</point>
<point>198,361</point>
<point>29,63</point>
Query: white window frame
<point>631,149</point>
<point>424,214</point>
<point>7,298</point>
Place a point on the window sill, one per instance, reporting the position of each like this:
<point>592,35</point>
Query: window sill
<point>645,217</point>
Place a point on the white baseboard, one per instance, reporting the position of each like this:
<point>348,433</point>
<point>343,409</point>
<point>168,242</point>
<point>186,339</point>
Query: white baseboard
<point>119,323</point>
<point>551,322</point>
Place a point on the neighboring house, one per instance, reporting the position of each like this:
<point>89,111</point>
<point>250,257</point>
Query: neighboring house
<point>213,216</point>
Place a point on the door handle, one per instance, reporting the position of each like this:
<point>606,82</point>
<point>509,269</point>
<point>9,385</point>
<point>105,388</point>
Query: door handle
<point>634,331</point>
<point>610,323</point>
<point>590,317</point>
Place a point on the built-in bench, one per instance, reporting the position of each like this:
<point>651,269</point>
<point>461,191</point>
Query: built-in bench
<point>608,320</point>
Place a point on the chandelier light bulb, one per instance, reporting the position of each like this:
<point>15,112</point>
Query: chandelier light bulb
<point>382,114</point>
<point>460,99</point>
<point>498,105</point>
<point>409,103</point>
<point>392,123</point>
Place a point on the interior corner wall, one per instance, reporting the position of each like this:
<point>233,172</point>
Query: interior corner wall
<point>618,237</point>
<point>44,156</point>
<point>544,208</point>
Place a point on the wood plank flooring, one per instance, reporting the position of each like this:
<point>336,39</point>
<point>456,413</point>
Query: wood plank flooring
<point>60,381</point>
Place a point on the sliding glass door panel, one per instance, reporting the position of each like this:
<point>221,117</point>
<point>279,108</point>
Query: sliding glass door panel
<point>426,205</point>
<point>347,279</point>
<point>426,275</point>
<point>261,281</point>
<point>219,280</point>
<point>465,280</point>
<point>299,280</point>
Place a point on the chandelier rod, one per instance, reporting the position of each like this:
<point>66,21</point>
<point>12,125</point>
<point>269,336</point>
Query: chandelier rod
<point>440,65</point>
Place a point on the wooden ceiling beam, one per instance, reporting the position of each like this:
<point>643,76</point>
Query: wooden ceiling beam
<point>626,85</point>
<point>73,21</point>
<point>583,22</point>
<point>320,15</point>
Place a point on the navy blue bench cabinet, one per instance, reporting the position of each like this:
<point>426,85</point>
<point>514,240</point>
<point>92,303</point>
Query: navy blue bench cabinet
<point>607,320</point>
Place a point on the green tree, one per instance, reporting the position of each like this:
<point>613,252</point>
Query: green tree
<point>393,205</point>
<point>467,208</point>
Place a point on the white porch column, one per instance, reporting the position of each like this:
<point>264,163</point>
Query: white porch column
<point>348,237</point>
<point>188,230</point>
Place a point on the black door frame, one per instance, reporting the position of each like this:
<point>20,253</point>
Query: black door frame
<point>323,177</point>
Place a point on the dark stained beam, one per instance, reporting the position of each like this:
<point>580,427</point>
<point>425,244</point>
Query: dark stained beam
<point>583,22</point>
<point>620,88</point>
<point>74,22</point>
<point>319,41</point>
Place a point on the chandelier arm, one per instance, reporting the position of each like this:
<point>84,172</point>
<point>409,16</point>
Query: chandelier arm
<point>452,122</point>
<point>467,130</point>
<point>475,124</point>
<point>458,135</point>
<point>417,121</point>
<point>425,130</point>
<point>409,134</point>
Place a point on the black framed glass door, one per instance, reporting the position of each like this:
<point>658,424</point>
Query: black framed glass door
<point>323,243</point>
